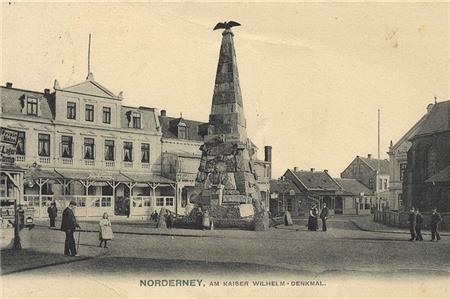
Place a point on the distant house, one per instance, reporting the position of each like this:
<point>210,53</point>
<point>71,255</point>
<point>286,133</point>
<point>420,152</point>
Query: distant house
<point>373,173</point>
<point>358,199</point>
<point>427,179</point>
<point>398,160</point>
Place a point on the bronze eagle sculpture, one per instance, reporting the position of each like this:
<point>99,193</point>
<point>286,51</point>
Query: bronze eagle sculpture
<point>226,25</point>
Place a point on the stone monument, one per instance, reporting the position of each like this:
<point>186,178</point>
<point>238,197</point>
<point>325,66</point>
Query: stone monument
<point>226,181</point>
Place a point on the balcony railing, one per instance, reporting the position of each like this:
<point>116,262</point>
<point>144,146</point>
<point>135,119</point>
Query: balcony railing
<point>88,162</point>
<point>145,165</point>
<point>44,160</point>
<point>20,158</point>
<point>67,161</point>
<point>128,164</point>
<point>110,163</point>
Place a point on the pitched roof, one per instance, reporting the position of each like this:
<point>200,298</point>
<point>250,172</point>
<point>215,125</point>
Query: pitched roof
<point>437,120</point>
<point>373,163</point>
<point>440,177</point>
<point>410,133</point>
<point>169,127</point>
<point>13,101</point>
<point>353,186</point>
<point>91,87</point>
<point>281,186</point>
<point>316,180</point>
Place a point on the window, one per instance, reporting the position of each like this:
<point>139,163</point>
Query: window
<point>89,112</point>
<point>66,146</point>
<point>20,148</point>
<point>371,181</point>
<point>402,171</point>
<point>89,148</point>
<point>106,201</point>
<point>145,150</point>
<point>182,132</point>
<point>44,145</point>
<point>169,202</point>
<point>109,150</point>
<point>385,184</point>
<point>159,202</point>
<point>136,120</point>
<point>106,115</point>
<point>128,151</point>
<point>32,106</point>
<point>71,110</point>
<point>380,184</point>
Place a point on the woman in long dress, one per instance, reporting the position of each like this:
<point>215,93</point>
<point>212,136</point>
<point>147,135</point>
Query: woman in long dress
<point>312,221</point>
<point>105,230</point>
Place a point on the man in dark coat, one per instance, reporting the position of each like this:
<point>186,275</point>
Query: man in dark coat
<point>412,224</point>
<point>68,225</point>
<point>419,223</point>
<point>324,216</point>
<point>435,219</point>
<point>52,213</point>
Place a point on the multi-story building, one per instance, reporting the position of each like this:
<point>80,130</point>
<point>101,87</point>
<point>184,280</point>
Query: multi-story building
<point>373,173</point>
<point>80,143</point>
<point>427,179</point>
<point>398,161</point>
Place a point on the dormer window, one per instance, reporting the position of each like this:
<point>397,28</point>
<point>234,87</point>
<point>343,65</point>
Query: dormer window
<point>32,106</point>
<point>136,120</point>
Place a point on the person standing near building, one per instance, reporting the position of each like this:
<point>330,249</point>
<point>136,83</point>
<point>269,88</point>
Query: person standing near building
<point>419,223</point>
<point>435,219</point>
<point>52,213</point>
<point>324,216</point>
<point>412,224</point>
<point>312,221</point>
<point>106,232</point>
<point>69,225</point>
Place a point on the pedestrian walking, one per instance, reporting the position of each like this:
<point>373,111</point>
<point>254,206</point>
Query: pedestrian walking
<point>105,232</point>
<point>312,220</point>
<point>69,225</point>
<point>419,223</point>
<point>435,219</point>
<point>169,219</point>
<point>52,213</point>
<point>206,220</point>
<point>412,223</point>
<point>324,216</point>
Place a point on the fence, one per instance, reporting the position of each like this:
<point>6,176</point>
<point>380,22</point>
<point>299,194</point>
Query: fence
<point>400,219</point>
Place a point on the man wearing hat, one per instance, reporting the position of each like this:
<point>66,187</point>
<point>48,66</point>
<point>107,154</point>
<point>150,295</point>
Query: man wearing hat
<point>68,225</point>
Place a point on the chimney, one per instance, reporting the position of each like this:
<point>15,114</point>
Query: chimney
<point>325,170</point>
<point>369,156</point>
<point>295,168</point>
<point>268,153</point>
<point>312,169</point>
<point>163,112</point>
<point>46,91</point>
<point>429,107</point>
<point>8,84</point>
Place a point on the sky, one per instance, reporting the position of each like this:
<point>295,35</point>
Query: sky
<point>313,75</point>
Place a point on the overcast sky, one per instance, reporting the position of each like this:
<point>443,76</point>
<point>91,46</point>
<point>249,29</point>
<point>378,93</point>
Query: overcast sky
<point>312,75</point>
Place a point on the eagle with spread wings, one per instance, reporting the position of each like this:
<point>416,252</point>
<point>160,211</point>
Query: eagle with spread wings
<point>226,25</point>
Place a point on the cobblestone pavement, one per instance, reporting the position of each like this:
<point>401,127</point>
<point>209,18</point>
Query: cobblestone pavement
<point>343,251</point>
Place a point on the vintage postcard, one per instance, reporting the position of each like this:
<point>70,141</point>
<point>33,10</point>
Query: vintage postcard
<point>225,150</point>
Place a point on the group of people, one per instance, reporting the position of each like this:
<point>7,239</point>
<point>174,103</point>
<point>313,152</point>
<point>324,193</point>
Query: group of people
<point>415,220</point>
<point>69,225</point>
<point>314,215</point>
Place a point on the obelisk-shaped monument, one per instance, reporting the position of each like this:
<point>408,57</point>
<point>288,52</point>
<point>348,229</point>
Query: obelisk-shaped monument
<point>226,180</point>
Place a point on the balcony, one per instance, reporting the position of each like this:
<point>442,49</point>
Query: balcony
<point>89,162</point>
<point>20,158</point>
<point>127,164</point>
<point>145,165</point>
<point>67,161</point>
<point>44,160</point>
<point>110,164</point>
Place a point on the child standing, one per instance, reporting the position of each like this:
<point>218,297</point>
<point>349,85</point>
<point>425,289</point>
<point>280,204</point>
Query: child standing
<point>105,230</point>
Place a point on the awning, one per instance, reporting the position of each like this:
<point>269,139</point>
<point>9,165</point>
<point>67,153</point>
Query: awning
<point>441,177</point>
<point>37,173</point>
<point>103,176</point>
<point>11,168</point>
<point>148,178</point>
